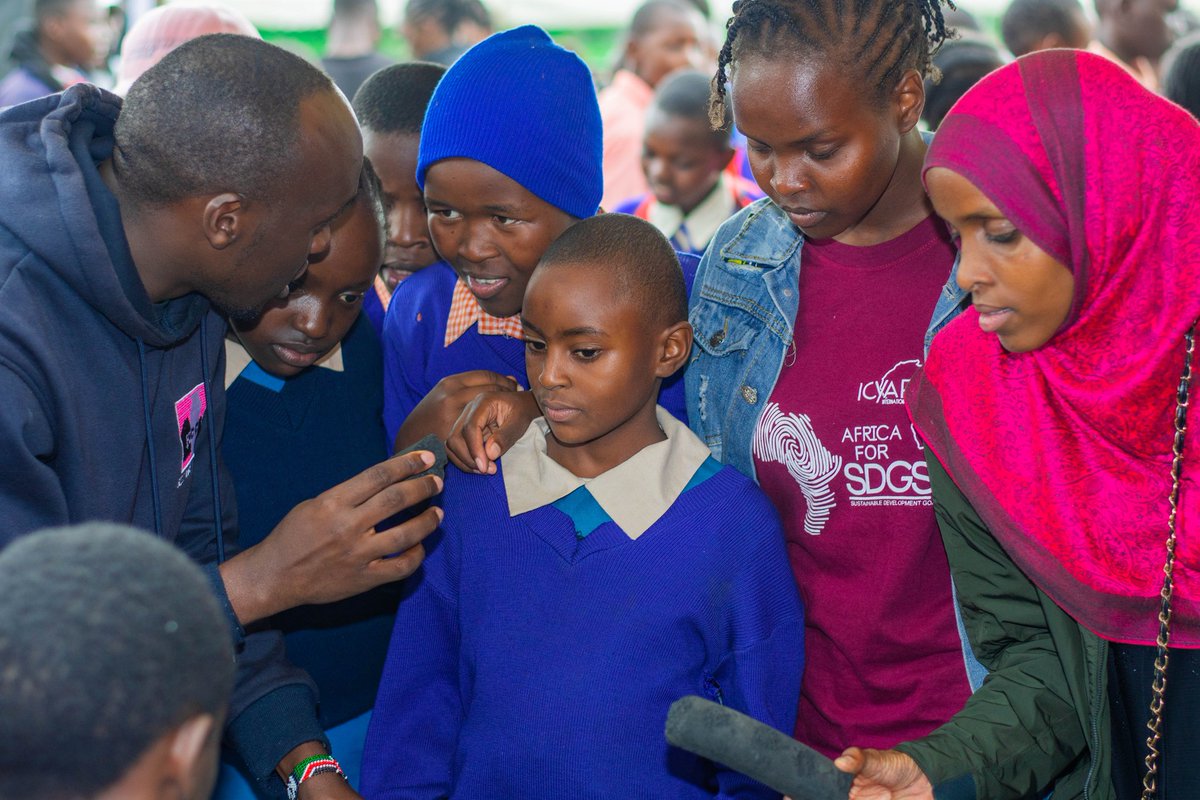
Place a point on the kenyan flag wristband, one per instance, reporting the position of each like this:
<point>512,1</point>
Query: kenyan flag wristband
<point>308,768</point>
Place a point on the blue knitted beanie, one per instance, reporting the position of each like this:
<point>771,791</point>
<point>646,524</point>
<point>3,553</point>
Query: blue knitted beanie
<point>525,107</point>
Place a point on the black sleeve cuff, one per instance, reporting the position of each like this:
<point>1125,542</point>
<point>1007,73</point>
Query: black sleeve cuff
<point>273,726</point>
<point>212,571</point>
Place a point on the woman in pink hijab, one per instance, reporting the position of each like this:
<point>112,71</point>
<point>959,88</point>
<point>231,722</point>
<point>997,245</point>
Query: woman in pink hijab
<point>1049,412</point>
<point>162,29</point>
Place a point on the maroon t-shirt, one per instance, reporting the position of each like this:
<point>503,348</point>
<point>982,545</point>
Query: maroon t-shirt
<point>836,453</point>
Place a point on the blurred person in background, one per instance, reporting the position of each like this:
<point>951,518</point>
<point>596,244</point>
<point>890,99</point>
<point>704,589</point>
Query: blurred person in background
<point>161,30</point>
<point>351,47</point>
<point>1135,34</point>
<point>686,163</point>
<point>962,20</point>
<point>442,30</point>
<point>962,62</point>
<point>664,36</point>
<point>1181,73</point>
<point>68,39</point>
<point>14,16</point>
<point>1030,25</point>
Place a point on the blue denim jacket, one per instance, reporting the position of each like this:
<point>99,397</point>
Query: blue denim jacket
<point>743,310</point>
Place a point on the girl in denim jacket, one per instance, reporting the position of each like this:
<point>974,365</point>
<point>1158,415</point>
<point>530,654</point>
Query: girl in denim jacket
<point>797,375</point>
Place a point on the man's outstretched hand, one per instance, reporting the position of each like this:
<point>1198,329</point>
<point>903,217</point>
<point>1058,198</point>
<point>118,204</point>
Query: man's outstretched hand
<point>327,548</point>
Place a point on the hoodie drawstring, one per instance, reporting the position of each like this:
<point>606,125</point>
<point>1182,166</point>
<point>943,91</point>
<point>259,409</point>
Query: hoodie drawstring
<point>158,524</point>
<point>212,446</point>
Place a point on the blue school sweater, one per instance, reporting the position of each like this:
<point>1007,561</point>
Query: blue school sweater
<point>416,358</point>
<point>528,662</point>
<point>286,441</point>
<point>373,310</point>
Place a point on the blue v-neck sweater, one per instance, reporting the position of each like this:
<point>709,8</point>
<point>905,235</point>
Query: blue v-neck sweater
<point>529,662</point>
<point>286,441</point>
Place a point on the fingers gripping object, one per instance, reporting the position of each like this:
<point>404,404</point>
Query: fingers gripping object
<point>434,445</point>
<point>754,749</point>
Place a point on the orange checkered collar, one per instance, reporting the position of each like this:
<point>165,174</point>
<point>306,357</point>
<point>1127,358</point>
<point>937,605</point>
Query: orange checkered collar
<point>465,311</point>
<point>381,291</point>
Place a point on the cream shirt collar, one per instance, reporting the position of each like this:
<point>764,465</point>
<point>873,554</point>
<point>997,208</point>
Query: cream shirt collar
<point>237,359</point>
<point>704,220</point>
<point>634,493</point>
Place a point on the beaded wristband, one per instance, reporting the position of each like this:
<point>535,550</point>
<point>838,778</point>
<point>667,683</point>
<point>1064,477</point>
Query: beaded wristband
<point>309,767</point>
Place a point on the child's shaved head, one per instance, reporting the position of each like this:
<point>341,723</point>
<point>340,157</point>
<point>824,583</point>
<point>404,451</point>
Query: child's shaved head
<point>394,99</point>
<point>637,257</point>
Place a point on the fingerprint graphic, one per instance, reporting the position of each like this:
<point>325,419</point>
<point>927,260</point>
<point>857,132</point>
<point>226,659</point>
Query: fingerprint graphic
<point>789,439</point>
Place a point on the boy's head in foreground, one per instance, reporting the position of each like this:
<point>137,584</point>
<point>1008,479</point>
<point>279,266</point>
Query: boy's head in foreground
<point>117,668</point>
<point>509,159</point>
<point>391,106</point>
<point>294,332</point>
<point>605,321</point>
<point>682,155</point>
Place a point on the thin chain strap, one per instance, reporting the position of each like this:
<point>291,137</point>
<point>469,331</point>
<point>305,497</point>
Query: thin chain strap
<point>1158,688</point>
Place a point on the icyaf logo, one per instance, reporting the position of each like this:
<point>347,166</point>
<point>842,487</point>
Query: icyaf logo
<point>889,390</point>
<point>789,439</point>
<point>189,413</point>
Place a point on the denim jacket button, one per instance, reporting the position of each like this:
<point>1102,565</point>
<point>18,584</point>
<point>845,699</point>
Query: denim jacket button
<point>787,292</point>
<point>716,339</point>
<point>750,394</point>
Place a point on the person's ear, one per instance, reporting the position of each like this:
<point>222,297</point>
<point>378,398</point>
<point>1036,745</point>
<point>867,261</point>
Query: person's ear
<point>192,755</point>
<point>908,100</point>
<point>225,219</point>
<point>676,347</point>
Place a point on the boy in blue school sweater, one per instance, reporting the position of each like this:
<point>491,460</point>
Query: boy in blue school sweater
<point>390,106</point>
<point>509,158</point>
<point>609,567</point>
<point>304,382</point>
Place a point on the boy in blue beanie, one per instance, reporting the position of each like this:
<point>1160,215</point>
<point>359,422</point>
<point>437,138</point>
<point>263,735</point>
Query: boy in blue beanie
<point>509,159</point>
<point>610,567</point>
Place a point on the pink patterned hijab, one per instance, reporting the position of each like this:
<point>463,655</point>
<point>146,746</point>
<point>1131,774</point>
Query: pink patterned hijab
<point>1065,451</point>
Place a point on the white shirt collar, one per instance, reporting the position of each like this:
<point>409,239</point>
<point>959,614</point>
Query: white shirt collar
<point>705,218</point>
<point>635,493</point>
<point>237,359</point>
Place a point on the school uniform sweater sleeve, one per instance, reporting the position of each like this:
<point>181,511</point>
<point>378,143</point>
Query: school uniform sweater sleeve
<point>760,674</point>
<point>1021,729</point>
<point>409,750</point>
<point>412,330</point>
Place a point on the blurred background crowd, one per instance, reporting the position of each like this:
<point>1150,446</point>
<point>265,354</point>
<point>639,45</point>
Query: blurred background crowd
<point>62,41</point>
